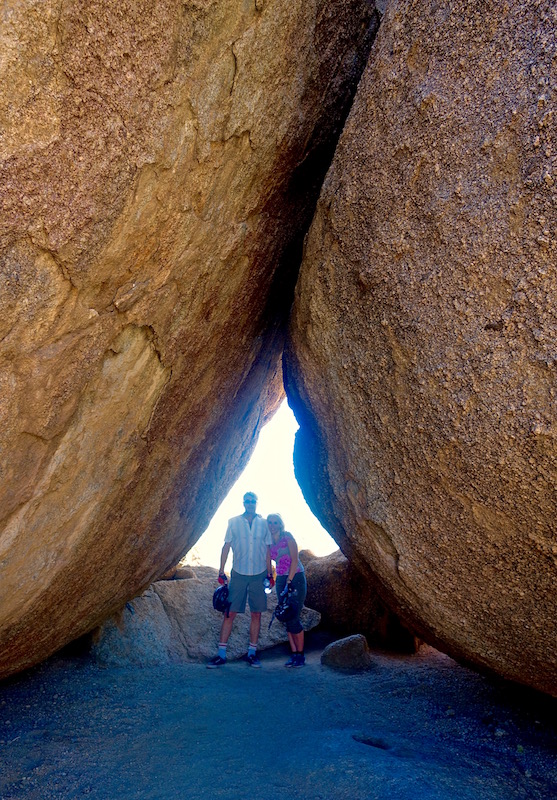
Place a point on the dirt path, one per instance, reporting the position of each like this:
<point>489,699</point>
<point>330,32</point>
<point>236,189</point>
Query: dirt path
<point>413,728</point>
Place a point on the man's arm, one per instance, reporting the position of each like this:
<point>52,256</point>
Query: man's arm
<point>224,556</point>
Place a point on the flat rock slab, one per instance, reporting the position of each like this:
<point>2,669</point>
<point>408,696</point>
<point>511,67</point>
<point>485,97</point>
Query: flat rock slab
<point>174,622</point>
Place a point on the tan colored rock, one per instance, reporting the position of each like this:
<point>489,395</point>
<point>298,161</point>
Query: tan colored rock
<point>178,572</point>
<point>351,654</point>
<point>158,167</point>
<point>422,363</point>
<point>174,622</point>
<point>170,574</point>
<point>349,604</point>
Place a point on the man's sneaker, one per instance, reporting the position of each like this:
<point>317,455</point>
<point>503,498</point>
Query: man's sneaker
<point>215,662</point>
<point>299,660</point>
<point>253,661</point>
<point>291,661</point>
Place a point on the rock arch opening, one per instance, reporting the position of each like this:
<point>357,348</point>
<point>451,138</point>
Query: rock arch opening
<point>270,474</point>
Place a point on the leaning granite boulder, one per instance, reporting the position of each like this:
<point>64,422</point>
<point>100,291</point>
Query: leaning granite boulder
<point>349,603</point>
<point>351,654</point>
<point>422,360</point>
<point>159,165</point>
<point>174,622</point>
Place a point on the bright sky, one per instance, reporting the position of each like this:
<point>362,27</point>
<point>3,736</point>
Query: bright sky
<point>270,474</point>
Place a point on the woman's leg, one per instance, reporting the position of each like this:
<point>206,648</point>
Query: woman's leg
<point>296,632</point>
<point>297,642</point>
<point>279,586</point>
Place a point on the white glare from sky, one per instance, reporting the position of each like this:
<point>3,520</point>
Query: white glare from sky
<point>270,474</point>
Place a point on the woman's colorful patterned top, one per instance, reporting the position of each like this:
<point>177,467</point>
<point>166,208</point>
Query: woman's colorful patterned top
<point>280,554</point>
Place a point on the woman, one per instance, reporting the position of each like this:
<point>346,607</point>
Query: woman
<point>290,574</point>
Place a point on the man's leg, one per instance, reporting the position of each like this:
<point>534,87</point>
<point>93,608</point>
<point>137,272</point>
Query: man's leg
<point>226,627</point>
<point>254,628</point>
<point>257,604</point>
<point>225,630</point>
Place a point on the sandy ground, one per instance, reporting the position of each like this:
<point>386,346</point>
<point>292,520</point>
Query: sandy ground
<point>412,728</point>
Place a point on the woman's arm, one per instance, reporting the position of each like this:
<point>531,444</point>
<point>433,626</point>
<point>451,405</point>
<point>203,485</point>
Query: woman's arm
<point>293,550</point>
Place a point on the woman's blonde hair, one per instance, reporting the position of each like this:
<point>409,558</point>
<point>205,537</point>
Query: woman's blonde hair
<point>280,520</point>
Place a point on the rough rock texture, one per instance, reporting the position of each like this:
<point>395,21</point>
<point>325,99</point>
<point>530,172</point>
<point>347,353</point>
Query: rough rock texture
<point>159,163</point>
<point>178,573</point>
<point>422,363</point>
<point>351,654</point>
<point>174,622</point>
<point>349,603</point>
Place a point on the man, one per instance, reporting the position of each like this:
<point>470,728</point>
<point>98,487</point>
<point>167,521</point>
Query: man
<point>249,537</point>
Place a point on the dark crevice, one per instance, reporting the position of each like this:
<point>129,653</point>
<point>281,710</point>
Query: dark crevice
<point>372,742</point>
<point>302,195</point>
<point>303,189</point>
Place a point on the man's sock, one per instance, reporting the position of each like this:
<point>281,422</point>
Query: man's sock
<point>222,649</point>
<point>252,649</point>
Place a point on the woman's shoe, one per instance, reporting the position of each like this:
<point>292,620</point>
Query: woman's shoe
<point>291,661</point>
<point>299,660</point>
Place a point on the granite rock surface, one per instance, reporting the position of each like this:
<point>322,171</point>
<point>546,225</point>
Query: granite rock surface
<point>174,622</point>
<point>159,164</point>
<point>349,603</point>
<point>422,358</point>
<point>351,654</point>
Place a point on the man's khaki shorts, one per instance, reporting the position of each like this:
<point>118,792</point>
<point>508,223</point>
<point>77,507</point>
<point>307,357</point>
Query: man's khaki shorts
<point>247,587</point>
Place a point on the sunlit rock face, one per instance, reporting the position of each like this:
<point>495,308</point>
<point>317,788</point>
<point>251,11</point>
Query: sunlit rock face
<point>423,341</point>
<point>159,163</point>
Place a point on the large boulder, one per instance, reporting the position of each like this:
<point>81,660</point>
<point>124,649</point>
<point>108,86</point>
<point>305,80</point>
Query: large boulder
<point>173,622</point>
<point>159,165</point>
<point>350,604</point>
<point>422,359</point>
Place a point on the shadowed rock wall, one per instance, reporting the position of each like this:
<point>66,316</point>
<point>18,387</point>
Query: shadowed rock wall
<point>159,164</point>
<point>349,604</point>
<point>422,356</point>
